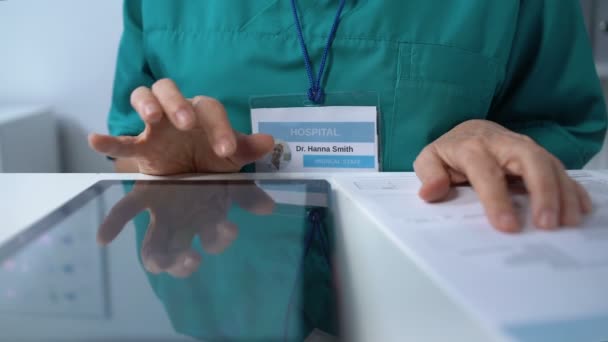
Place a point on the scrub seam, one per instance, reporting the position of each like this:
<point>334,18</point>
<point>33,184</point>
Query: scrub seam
<point>287,37</point>
<point>391,125</point>
<point>453,85</point>
<point>399,66</point>
<point>257,15</point>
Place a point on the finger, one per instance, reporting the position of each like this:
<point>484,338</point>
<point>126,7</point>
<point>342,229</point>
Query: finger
<point>584,198</point>
<point>155,247</point>
<point>124,211</point>
<point>185,264</point>
<point>216,239</point>
<point>538,174</point>
<point>212,117</point>
<point>457,177</point>
<point>251,148</point>
<point>145,103</point>
<point>489,181</point>
<point>176,107</point>
<point>251,198</point>
<point>116,147</point>
<point>433,174</point>
<point>570,214</point>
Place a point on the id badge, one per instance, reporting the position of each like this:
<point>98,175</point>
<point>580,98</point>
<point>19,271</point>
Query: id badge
<point>340,136</point>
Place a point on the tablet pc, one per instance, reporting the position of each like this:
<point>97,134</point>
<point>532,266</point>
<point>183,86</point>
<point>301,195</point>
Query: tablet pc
<point>173,260</point>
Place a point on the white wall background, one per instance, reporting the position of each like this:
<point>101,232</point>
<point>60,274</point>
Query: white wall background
<point>62,53</point>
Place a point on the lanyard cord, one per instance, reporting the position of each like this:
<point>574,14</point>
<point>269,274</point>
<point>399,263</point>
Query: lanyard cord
<point>317,232</point>
<point>315,92</point>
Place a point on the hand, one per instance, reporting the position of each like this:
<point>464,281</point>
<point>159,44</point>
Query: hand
<point>484,154</point>
<point>182,136</point>
<point>178,212</point>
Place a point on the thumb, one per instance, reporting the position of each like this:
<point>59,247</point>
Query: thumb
<point>433,174</point>
<point>116,147</point>
<point>252,147</point>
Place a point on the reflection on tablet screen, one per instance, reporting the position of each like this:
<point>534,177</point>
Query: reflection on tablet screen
<point>175,260</point>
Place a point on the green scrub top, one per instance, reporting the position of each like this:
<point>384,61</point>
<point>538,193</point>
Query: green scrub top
<point>525,64</point>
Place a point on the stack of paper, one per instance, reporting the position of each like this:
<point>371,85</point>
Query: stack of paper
<point>531,286</point>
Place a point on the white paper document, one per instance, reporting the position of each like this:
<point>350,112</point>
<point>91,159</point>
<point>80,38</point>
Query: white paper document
<point>533,286</point>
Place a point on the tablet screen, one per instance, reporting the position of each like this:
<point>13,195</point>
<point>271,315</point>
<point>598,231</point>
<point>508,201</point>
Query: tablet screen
<point>175,261</point>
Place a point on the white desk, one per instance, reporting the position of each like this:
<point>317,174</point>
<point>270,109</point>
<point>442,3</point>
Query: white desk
<point>392,289</point>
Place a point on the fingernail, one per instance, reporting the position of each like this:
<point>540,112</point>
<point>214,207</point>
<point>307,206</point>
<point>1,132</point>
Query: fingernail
<point>224,147</point>
<point>189,262</point>
<point>184,119</point>
<point>150,110</point>
<point>508,222</point>
<point>548,219</point>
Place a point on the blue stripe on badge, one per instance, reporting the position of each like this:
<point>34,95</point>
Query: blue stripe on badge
<point>583,329</point>
<point>348,132</point>
<point>340,162</point>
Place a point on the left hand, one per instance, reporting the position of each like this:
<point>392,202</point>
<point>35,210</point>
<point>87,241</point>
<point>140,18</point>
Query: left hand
<point>484,153</point>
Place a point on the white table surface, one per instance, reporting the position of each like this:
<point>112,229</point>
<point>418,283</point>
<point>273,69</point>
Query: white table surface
<point>25,198</point>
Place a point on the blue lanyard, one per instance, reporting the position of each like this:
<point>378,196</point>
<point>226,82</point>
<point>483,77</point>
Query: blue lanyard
<point>316,93</point>
<point>317,232</point>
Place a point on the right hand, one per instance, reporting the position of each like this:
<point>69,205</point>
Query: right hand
<point>182,135</point>
<point>179,212</point>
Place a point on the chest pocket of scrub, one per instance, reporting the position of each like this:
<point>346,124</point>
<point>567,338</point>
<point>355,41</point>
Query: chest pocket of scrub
<point>437,88</point>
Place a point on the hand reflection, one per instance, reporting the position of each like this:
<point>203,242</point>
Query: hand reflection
<point>178,212</point>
